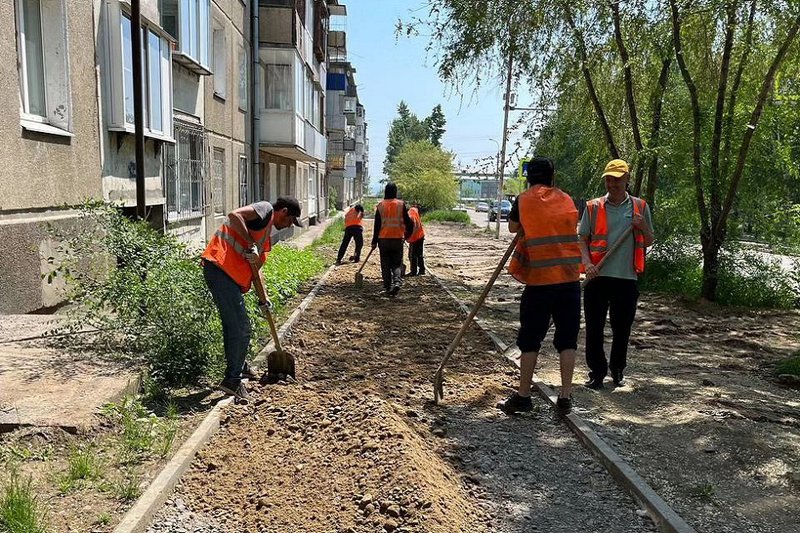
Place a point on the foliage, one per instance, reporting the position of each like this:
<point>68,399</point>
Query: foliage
<point>446,216</point>
<point>370,204</point>
<point>333,198</point>
<point>407,127</point>
<point>82,466</point>
<point>423,174</point>
<point>286,271</point>
<point>143,434</point>
<point>20,509</point>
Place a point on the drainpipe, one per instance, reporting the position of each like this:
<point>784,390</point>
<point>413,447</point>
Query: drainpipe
<point>138,107</point>
<point>255,105</point>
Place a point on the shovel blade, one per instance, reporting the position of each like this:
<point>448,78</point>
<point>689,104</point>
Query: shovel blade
<point>280,362</point>
<point>438,388</point>
<point>359,279</point>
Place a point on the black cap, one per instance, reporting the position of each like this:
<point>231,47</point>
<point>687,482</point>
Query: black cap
<point>292,208</point>
<point>540,167</point>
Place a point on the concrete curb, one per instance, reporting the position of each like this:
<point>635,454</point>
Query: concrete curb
<point>138,517</point>
<point>630,481</point>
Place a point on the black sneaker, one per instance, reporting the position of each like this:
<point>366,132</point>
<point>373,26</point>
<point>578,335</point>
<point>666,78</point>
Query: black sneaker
<point>239,392</point>
<point>515,403</point>
<point>249,372</point>
<point>564,405</point>
<point>619,380</point>
<point>595,382</point>
<point>395,289</point>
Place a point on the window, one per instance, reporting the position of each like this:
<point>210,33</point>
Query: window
<point>218,172</point>
<point>184,172</point>
<point>242,79</point>
<point>188,21</point>
<point>243,180</point>
<point>155,60</point>
<point>279,87</point>
<point>43,65</point>
<point>220,63</point>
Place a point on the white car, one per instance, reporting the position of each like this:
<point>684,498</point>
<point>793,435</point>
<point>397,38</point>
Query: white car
<point>460,207</point>
<point>481,207</point>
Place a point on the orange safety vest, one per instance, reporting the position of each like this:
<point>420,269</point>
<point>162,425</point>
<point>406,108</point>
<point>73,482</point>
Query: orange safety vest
<point>226,249</point>
<point>352,218</point>
<point>547,253</point>
<point>419,231</point>
<point>599,235</point>
<point>392,224</point>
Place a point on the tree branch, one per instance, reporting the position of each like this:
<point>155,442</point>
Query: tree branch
<point>696,119</point>
<point>587,75</point>
<point>658,103</point>
<point>755,118</point>
<point>626,68</point>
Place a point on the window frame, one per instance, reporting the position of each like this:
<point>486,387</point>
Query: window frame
<point>220,53</point>
<point>194,34</point>
<point>244,89</point>
<point>56,119</point>
<point>244,188</point>
<point>286,89</point>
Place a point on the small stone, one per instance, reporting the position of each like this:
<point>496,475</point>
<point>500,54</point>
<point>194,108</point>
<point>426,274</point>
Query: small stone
<point>439,432</point>
<point>270,432</point>
<point>411,413</point>
<point>326,423</point>
<point>708,383</point>
<point>641,513</point>
<point>366,499</point>
<point>369,509</point>
<point>393,511</point>
<point>710,449</point>
<point>390,525</point>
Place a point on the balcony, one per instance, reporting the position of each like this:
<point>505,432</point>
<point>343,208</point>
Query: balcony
<point>336,123</point>
<point>285,134</point>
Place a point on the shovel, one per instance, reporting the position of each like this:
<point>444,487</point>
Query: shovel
<point>279,363</point>
<point>609,253</point>
<point>438,379</point>
<point>359,275</point>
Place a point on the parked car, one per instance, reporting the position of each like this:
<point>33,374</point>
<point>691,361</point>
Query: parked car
<point>481,207</point>
<point>505,209</point>
<point>460,207</point>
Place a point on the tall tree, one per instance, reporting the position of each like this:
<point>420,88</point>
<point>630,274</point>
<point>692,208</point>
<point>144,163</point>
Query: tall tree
<point>406,127</point>
<point>424,175</point>
<point>435,124</point>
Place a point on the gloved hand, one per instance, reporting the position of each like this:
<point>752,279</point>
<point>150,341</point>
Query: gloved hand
<point>374,245</point>
<point>268,305</point>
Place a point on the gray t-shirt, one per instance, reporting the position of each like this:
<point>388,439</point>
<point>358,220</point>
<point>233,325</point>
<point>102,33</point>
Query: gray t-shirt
<point>264,211</point>
<point>618,217</point>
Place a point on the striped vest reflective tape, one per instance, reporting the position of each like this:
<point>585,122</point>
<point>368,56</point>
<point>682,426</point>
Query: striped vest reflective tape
<point>598,245</point>
<point>419,231</point>
<point>392,224</point>
<point>352,218</point>
<point>226,249</point>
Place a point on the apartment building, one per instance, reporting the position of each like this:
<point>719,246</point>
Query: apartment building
<point>292,49</point>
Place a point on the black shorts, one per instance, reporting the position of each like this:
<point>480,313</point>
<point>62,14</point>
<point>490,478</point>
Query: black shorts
<point>539,303</point>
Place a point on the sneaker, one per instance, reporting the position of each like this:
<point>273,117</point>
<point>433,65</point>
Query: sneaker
<point>339,262</point>
<point>248,372</point>
<point>395,289</point>
<point>619,380</point>
<point>595,383</point>
<point>355,259</point>
<point>564,405</point>
<point>239,392</point>
<point>515,403</point>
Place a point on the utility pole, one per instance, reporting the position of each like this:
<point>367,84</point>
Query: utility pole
<point>506,108</point>
<point>138,107</point>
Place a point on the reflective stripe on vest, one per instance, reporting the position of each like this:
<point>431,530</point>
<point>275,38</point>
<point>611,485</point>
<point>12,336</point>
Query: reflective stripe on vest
<point>547,252</point>
<point>598,222</point>
<point>419,231</point>
<point>226,249</point>
<point>352,218</point>
<point>392,224</point>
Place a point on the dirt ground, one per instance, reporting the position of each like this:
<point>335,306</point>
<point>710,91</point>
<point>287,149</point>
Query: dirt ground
<point>359,446</point>
<point>700,417</point>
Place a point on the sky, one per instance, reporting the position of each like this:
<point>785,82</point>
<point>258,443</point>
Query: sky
<point>390,69</point>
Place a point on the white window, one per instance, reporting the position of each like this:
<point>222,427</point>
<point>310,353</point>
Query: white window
<point>243,180</point>
<point>218,170</point>
<point>156,75</point>
<point>279,87</point>
<point>242,79</point>
<point>220,63</point>
<point>188,21</point>
<point>43,66</point>
<point>184,172</point>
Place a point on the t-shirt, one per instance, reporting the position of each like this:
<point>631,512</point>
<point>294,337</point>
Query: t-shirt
<point>264,211</point>
<point>513,215</point>
<point>618,217</point>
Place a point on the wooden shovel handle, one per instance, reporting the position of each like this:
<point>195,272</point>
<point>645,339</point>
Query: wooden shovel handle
<point>453,345</point>
<point>258,285</point>
<point>614,247</point>
<point>364,263</point>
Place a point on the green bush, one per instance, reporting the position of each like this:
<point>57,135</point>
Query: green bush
<point>369,204</point>
<point>20,509</point>
<point>673,267</point>
<point>443,215</point>
<point>286,271</point>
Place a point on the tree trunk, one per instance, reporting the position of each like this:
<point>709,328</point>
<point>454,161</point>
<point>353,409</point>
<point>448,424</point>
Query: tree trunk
<point>711,247</point>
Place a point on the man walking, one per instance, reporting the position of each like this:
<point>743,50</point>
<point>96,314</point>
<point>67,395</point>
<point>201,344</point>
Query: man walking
<point>415,243</point>
<point>242,240</point>
<point>614,290</point>
<point>353,229</point>
<point>547,260</point>
<point>392,225</point>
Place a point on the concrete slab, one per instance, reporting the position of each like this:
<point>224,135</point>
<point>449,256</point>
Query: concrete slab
<point>42,385</point>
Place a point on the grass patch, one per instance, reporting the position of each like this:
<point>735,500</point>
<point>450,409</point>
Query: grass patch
<point>143,434</point>
<point>703,492</point>
<point>82,467</point>
<point>127,489</point>
<point>446,216</point>
<point>103,519</point>
<point>789,366</point>
<point>326,246</point>
<point>20,510</point>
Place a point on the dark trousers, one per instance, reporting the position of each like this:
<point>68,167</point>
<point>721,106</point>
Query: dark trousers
<point>617,298</point>
<point>391,261</point>
<point>355,233</point>
<point>235,323</point>
<point>415,257</point>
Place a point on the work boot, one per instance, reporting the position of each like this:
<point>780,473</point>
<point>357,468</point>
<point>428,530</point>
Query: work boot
<point>238,391</point>
<point>564,405</point>
<point>618,378</point>
<point>249,372</point>
<point>515,404</point>
<point>395,288</point>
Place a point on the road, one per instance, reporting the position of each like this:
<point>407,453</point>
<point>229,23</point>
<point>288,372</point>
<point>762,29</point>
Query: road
<point>481,220</point>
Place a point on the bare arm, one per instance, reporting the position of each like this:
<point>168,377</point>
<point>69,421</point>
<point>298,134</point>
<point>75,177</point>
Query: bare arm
<point>514,227</point>
<point>589,267</point>
<point>237,219</point>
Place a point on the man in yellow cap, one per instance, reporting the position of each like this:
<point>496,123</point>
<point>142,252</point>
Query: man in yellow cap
<point>612,290</point>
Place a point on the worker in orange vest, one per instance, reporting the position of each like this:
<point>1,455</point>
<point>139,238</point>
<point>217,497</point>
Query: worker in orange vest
<point>614,290</point>
<point>547,260</point>
<point>353,230</point>
<point>241,240</point>
<point>415,243</point>
<point>392,225</point>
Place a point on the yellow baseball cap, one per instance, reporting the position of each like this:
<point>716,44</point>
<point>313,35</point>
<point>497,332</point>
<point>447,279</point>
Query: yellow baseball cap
<point>616,168</point>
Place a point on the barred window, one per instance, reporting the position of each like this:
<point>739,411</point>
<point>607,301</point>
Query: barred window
<point>185,171</point>
<point>218,172</point>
